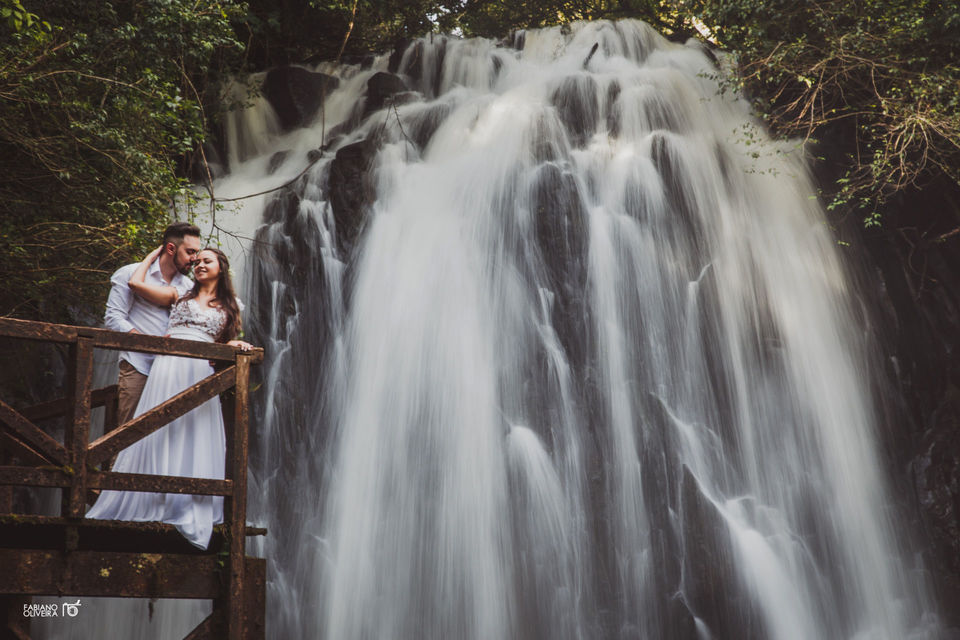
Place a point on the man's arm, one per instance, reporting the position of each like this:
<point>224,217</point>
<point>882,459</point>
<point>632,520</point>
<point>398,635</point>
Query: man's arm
<point>119,302</point>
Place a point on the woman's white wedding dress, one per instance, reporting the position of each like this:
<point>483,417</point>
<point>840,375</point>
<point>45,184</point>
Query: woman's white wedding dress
<point>191,446</point>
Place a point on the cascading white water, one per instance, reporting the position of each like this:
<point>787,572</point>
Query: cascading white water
<point>587,369</point>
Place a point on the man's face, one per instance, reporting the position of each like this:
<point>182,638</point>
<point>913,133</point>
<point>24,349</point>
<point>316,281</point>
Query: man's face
<point>185,254</point>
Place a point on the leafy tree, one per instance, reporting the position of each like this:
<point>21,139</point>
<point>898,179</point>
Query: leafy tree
<point>97,113</point>
<point>495,18</point>
<point>881,74</point>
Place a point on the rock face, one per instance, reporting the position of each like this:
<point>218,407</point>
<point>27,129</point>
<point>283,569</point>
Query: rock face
<point>351,190</point>
<point>911,277</point>
<point>297,93</point>
<point>380,88</point>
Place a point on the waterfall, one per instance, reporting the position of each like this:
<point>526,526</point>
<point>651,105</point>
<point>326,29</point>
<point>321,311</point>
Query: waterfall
<point>577,357</point>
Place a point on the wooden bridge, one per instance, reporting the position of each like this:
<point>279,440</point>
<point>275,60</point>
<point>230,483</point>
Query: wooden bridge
<point>67,555</point>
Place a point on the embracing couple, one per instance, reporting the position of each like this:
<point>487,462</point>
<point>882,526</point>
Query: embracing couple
<point>157,297</point>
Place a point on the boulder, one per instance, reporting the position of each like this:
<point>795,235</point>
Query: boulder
<point>380,88</point>
<point>351,190</point>
<point>296,94</point>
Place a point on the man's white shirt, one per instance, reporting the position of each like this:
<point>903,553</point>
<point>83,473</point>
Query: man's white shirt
<point>126,310</point>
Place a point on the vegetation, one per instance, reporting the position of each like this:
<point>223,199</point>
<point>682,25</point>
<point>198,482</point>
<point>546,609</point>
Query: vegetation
<point>104,105</point>
<point>100,105</point>
<point>878,77</point>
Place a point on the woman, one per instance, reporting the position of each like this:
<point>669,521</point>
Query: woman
<point>193,445</point>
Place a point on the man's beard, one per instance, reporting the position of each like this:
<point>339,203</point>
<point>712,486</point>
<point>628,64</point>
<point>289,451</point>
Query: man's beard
<point>183,268</point>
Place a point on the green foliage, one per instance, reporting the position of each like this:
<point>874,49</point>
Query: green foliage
<point>97,112</point>
<point>496,18</point>
<point>879,77</point>
<point>20,20</point>
<point>103,104</point>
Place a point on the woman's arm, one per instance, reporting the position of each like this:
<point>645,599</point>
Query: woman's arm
<point>158,295</point>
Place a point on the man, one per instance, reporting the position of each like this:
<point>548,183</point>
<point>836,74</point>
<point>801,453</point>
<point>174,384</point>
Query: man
<point>129,313</point>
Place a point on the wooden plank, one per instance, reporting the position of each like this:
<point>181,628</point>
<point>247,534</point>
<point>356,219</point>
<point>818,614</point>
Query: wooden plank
<point>158,483</point>
<point>167,346</point>
<point>60,406</point>
<point>44,572</point>
<point>206,630</point>
<point>106,339</point>
<point>255,599</point>
<point>238,503</point>
<point>125,435</point>
<point>13,624</point>
<point>33,477</point>
<point>29,330</point>
<point>15,449</point>
<point>30,434</point>
<point>77,433</point>
<point>20,531</point>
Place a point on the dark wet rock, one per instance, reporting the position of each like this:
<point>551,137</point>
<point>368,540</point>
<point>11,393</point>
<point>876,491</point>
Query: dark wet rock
<point>423,125</point>
<point>497,66</point>
<point>936,472</point>
<point>910,280</point>
<point>613,109</point>
<point>711,587</point>
<point>412,66</point>
<point>577,107</point>
<point>351,190</point>
<point>546,144</point>
<point>276,160</point>
<point>296,94</point>
<point>396,55</point>
<point>381,87</point>
<point>314,154</point>
<point>685,225</point>
<point>561,230</point>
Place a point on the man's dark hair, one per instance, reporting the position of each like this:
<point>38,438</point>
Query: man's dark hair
<point>175,232</point>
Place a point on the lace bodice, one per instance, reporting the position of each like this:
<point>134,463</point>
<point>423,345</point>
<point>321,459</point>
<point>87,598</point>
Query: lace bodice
<point>189,313</point>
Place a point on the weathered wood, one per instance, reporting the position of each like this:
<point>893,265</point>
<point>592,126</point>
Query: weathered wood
<point>44,555</point>
<point>42,572</point>
<point>30,434</point>
<point>40,532</point>
<point>166,346</point>
<point>15,449</point>
<point>33,477</point>
<point>255,599</point>
<point>238,502</point>
<point>206,630</point>
<point>44,331</point>
<point>60,406</point>
<point>158,483</point>
<point>13,624</point>
<point>125,435</point>
<point>77,433</point>
<point>106,339</point>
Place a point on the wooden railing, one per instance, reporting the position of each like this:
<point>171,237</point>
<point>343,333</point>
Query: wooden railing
<point>35,459</point>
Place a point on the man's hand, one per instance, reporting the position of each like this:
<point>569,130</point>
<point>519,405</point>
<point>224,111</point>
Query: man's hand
<point>133,331</point>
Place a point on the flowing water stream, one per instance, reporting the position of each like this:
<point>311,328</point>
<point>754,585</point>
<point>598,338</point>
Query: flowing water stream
<point>589,367</point>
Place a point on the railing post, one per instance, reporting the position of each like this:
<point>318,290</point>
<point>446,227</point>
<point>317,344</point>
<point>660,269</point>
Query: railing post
<point>77,426</point>
<point>235,515</point>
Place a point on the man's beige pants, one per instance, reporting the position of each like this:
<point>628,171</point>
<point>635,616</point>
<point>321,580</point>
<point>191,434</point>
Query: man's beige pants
<point>129,387</point>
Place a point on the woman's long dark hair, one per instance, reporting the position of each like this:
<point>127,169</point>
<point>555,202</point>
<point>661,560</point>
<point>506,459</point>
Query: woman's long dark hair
<point>224,296</point>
